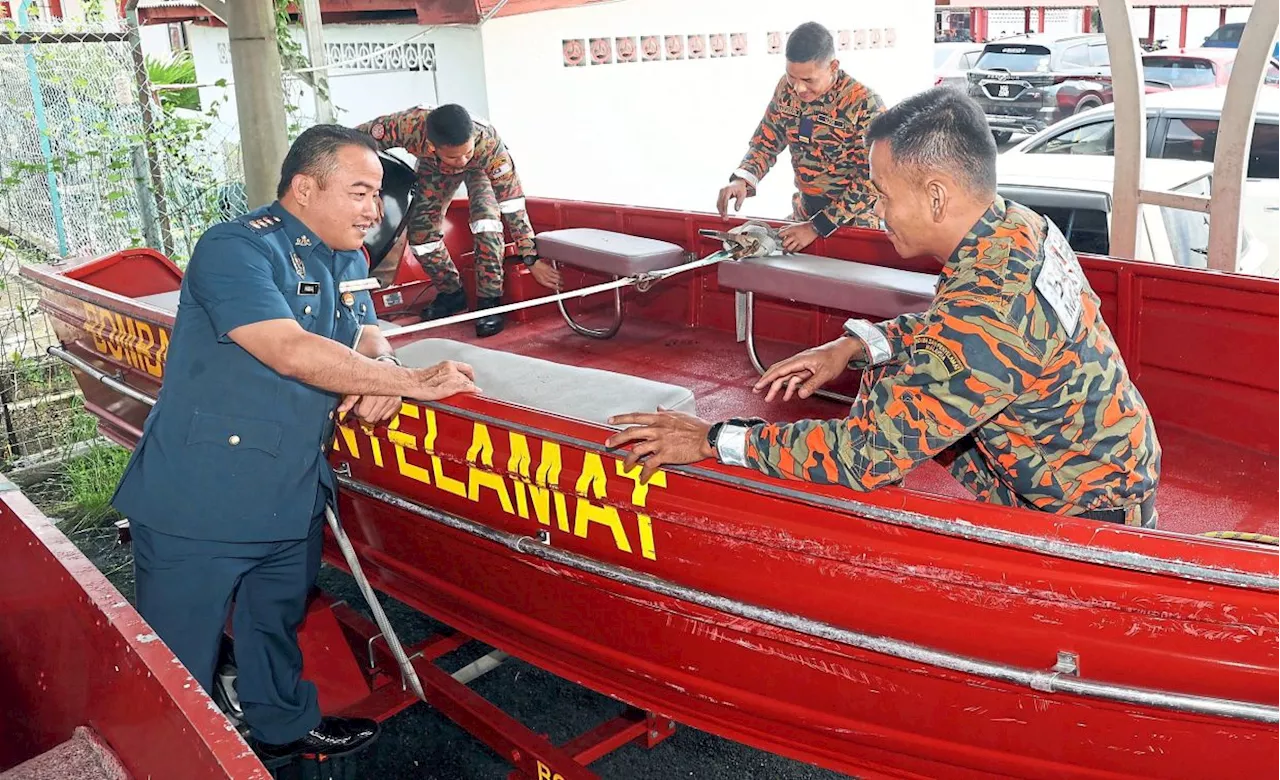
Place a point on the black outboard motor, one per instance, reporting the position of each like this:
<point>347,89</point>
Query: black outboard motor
<point>398,196</point>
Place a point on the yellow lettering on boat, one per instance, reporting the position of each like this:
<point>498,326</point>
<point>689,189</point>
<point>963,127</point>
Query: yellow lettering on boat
<point>443,481</point>
<point>527,489</point>
<point>540,487</point>
<point>593,480</point>
<point>127,339</point>
<point>482,448</point>
<point>639,495</point>
<point>403,441</point>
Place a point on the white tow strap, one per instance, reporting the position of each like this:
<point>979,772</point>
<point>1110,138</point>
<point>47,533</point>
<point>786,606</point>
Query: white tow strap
<point>641,281</point>
<point>407,671</point>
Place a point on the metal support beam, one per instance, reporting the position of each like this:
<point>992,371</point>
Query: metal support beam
<point>160,234</point>
<point>310,12</point>
<point>1235,134</point>
<point>255,66</point>
<point>1130,123</point>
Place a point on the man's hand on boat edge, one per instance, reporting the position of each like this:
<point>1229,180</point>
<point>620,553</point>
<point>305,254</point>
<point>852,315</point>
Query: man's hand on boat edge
<point>804,374</point>
<point>667,438</point>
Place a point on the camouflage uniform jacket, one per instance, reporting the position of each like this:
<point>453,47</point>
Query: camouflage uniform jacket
<point>408,130</point>
<point>1012,370</point>
<point>827,141</point>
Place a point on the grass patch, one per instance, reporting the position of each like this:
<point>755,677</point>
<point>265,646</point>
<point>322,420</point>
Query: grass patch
<point>88,483</point>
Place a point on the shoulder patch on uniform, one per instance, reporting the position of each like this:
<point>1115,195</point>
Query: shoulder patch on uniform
<point>944,354</point>
<point>263,224</point>
<point>378,131</point>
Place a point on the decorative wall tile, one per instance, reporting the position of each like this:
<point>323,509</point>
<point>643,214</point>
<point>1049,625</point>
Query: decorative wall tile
<point>674,46</point>
<point>874,40</point>
<point>843,40</point>
<point>650,48</point>
<point>697,47</point>
<point>601,51</point>
<point>859,39</point>
<point>719,43</point>
<point>574,51</point>
<point>774,42</point>
<point>738,43</point>
<point>627,49</point>
<point>890,37</point>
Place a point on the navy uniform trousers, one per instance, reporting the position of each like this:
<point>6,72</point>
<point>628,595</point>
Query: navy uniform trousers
<point>185,589</point>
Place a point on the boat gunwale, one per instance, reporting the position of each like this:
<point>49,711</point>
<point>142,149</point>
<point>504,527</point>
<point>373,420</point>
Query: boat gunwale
<point>980,531</point>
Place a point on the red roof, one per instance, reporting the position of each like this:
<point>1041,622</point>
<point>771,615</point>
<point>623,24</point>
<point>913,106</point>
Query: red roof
<point>368,11</point>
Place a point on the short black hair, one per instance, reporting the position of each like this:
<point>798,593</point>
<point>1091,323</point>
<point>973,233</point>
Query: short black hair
<point>315,151</point>
<point>941,129</point>
<point>811,42</point>
<point>449,125</point>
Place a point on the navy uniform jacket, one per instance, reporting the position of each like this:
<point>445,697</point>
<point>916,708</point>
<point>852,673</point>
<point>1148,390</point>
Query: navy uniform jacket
<point>234,451</point>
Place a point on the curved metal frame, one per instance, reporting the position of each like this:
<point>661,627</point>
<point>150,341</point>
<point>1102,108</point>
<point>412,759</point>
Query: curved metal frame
<point>748,334</point>
<point>1235,131</point>
<point>594,333</point>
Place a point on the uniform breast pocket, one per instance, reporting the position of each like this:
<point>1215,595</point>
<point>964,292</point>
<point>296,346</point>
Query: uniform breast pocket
<point>834,144</point>
<point>236,434</point>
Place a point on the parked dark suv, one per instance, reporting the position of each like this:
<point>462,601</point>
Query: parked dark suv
<point>1027,82</point>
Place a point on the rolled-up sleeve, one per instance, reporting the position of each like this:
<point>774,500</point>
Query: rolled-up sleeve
<point>230,277</point>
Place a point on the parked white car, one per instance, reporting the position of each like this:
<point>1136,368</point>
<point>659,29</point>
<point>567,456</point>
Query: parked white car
<point>1076,193</point>
<point>1183,125</point>
<point>952,62</point>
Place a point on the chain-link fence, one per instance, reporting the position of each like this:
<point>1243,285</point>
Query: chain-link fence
<point>94,160</point>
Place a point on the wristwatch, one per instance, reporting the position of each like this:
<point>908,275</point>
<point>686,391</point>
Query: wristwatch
<point>390,359</point>
<point>733,431</point>
<point>529,260</point>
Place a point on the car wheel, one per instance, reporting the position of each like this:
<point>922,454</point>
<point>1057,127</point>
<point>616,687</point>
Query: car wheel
<point>1001,136</point>
<point>1087,103</point>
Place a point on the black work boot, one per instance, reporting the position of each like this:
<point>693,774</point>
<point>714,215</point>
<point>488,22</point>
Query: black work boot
<point>492,324</point>
<point>331,738</point>
<point>446,305</point>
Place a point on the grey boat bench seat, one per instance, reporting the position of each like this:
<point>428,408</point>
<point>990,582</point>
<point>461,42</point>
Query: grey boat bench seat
<point>869,290</point>
<point>605,252</point>
<point>568,391</point>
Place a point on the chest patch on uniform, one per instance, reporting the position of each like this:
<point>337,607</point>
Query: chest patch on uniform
<point>944,354</point>
<point>789,110</point>
<point>308,288</point>
<point>838,124</point>
<point>1061,282</point>
<point>298,266</point>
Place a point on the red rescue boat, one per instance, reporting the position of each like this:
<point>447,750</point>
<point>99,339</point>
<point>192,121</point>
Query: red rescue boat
<point>910,632</point>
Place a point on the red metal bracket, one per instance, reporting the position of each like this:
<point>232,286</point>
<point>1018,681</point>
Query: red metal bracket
<point>346,641</point>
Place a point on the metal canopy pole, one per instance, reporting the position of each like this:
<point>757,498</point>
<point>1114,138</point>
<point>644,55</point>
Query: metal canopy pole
<point>1130,125</point>
<point>1235,134</point>
<point>311,24</point>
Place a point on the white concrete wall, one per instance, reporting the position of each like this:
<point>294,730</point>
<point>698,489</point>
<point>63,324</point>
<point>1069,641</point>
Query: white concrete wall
<point>357,93</point>
<point>670,133</point>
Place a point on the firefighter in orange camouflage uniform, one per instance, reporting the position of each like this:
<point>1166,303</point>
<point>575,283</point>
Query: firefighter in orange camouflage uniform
<point>452,148</point>
<point>821,115</point>
<point>1010,378</point>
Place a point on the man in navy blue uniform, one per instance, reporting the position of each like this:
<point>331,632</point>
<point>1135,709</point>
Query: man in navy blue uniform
<point>275,338</point>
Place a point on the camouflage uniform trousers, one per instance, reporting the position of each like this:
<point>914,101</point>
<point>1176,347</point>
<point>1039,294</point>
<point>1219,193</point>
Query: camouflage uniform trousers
<point>426,232</point>
<point>968,466</point>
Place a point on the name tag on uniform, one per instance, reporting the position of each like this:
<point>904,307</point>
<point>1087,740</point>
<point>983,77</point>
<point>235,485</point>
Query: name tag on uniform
<point>806,129</point>
<point>308,288</point>
<point>829,121</point>
<point>358,285</point>
<point>1061,282</point>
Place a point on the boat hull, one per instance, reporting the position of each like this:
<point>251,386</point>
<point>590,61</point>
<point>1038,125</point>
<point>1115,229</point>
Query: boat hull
<point>889,635</point>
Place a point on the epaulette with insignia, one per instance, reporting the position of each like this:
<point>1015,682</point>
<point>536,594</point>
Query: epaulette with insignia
<point>262,224</point>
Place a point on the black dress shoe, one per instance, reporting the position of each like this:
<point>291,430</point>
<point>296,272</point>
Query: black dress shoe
<point>333,737</point>
<point>446,305</point>
<point>493,324</point>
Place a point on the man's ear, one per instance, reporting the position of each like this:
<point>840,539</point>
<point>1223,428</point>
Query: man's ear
<point>835,67</point>
<point>431,148</point>
<point>938,197</point>
<point>303,188</point>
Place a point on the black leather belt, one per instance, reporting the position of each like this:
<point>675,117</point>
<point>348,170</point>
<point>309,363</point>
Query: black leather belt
<point>1118,514</point>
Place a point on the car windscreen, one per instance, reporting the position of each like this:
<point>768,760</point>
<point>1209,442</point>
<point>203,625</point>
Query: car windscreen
<point>1015,58</point>
<point>1189,230</point>
<point>1178,72</point>
<point>940,56</point>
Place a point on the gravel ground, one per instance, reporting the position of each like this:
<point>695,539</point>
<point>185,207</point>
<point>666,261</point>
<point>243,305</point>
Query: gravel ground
<point>421,744</point>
